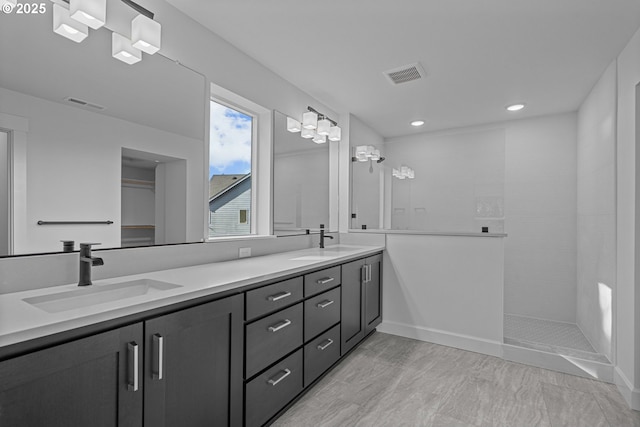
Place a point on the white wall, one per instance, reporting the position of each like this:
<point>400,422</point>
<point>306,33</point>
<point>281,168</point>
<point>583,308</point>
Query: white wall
<point>86,186</point>
<point>540,217</point>
<point>628,227</point>
<point>445,289</point>
<point>458,184</point>
<point>596,246</point>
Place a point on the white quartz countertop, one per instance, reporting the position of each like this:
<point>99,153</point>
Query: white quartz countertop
<point>21,321</point>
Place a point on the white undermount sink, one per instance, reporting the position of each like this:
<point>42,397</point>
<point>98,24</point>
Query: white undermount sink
<point>98,294</point>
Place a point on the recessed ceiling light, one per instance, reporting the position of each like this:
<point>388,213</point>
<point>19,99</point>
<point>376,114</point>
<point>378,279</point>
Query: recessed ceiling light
<point>417,123</point>
<point>515,107</point>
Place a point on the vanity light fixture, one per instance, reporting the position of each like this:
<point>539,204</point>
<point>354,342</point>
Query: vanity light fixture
<point>319,139</point>
<point>307,133</point>
<point>405,172</point>
<point>364,153</point>
<point>122,49</point>
<point>67,27</point>
<point>515,107</point>
<point>310,120</point>
<point>146,34</point>
<point>73,22</point>
<point>92,13</point>
<point>315,125</point>
<point>417,123</point>
<point>293,125</point>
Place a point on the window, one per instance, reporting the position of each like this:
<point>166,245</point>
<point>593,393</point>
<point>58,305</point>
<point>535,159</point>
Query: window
<point>231,148</point>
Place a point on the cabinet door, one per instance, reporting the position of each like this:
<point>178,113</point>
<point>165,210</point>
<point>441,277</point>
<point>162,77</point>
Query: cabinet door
<point>372,294</point>
<point>352,321</point>
<point>89,382</point>
<point>193,366</point>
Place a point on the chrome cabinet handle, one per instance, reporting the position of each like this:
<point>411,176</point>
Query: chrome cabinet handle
<point>158,342</point>
<point>322,347</point>
<point>324,304</point>
<point>285,374</point>
<point>133,348</point>
<point>284,324</point>
<point>279,296</point>
<point>325,280</point>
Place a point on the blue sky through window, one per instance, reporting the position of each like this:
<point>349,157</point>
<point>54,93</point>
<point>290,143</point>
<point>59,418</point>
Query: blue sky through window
<point>230,141</point>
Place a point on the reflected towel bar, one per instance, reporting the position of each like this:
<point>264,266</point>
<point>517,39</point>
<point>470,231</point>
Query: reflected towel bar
<point>73,222</point>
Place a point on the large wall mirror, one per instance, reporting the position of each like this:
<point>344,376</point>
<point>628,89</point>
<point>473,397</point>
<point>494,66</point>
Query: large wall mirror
<point>96,150</point>
<point>302,188</point>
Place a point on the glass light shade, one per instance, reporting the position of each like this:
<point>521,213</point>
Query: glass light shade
<point>92,13</point>
<point>323,127</point>
<point>307,133</point>
<point>375,155</point>
<point>362,158</point>
<point>361,150</point>
<point>395,172</point>
<point>293,125</point>
<point>67,27</point>
<point>411,174</point>
<point>335,133</point>
<point>310,120</point>
<point>369,151</point>
<point>146,34</point>
<point>404,171</point>
<point>121,49</point>
<point>319,139</point>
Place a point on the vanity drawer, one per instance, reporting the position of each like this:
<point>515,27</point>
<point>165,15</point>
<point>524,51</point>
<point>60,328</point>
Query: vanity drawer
<point>322,280</point>
<point>321,312</point>
<point>271,338</point>
<point>270,391</point>
<point>273,297</point>
<point>320,354</point>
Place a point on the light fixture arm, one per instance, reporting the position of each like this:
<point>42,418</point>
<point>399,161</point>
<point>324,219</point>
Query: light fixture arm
<point>320,115</point>
<point>135,6</point>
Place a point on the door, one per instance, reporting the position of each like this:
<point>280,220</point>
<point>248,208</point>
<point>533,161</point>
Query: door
<point>352,327</point>
<point>372,294</point>
<point>193,370</point>
<point>89,382</point>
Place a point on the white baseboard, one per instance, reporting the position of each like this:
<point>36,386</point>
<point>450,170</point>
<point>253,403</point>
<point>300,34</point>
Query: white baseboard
<point>628,391</point>
<point>450,339</point>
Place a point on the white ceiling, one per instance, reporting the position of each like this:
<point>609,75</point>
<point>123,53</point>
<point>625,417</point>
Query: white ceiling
<point>480,55</point>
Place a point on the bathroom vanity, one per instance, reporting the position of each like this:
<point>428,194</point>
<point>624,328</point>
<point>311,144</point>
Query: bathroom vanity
<point>235,342</point>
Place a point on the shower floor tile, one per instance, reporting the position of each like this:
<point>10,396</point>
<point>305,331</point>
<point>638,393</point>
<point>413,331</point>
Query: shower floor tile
<point>547,335</point>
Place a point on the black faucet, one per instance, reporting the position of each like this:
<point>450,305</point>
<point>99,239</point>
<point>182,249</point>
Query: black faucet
<point>322,236</point>
<point>86,262</point>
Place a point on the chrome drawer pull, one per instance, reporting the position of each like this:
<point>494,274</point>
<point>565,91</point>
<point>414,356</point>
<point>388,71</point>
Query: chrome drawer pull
<point>279,296</point>
<point>325,280</point>
<point>284,324</point>
<point>133,354</point>
<point>324,304</point>
<point>284,375</point>
<point>158,341</point>
<point>322,347</point>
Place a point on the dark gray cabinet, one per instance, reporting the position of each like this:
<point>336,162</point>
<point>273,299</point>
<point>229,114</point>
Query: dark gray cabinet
<point>90,382</point>
<point>361,300</point>
<point>187,365</point>
<point>193,369</point>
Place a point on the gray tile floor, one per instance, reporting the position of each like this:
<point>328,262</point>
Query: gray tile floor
<point>395,381</point>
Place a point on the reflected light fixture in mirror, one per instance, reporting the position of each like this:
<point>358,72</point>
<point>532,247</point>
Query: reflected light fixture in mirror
<point>122,49</point>
<point>315,125</point>
<point>92,13</point>
<point>365,153</point>
<point>67,27</point>
<point>146,34</point>
<point>403,173</point>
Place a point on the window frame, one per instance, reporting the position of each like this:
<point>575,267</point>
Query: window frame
<point>261,164</point>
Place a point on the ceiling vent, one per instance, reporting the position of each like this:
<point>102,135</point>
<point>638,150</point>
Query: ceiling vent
<point>82,103</point>
<point>406,73</point>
